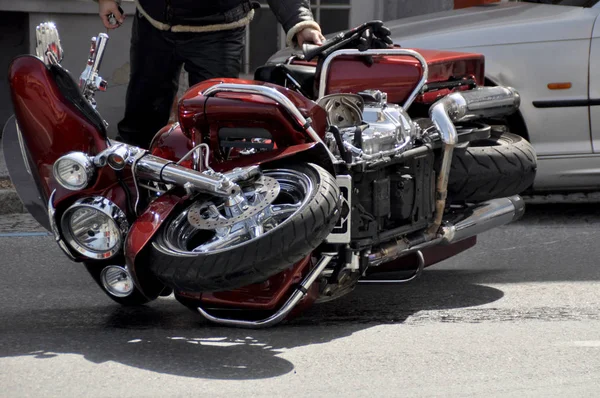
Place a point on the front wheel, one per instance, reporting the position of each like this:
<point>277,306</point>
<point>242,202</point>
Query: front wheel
<point>218,245</point>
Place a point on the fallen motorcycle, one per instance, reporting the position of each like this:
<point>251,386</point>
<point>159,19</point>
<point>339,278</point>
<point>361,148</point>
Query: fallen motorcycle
<point>346,161</point>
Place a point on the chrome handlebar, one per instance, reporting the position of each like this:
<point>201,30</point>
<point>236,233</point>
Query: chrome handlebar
<point>90,80</point>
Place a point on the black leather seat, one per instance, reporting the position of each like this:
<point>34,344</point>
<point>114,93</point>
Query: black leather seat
<point>289,76</point>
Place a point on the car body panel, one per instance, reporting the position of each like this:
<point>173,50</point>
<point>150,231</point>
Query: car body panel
<point>495,24</point>
<point>552,132</point>
<point>594,87</point>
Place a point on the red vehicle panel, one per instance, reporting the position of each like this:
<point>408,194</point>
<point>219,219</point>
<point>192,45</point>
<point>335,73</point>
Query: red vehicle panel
<point>399,75</point>
<point>51,126</point>
<point>201,115</point>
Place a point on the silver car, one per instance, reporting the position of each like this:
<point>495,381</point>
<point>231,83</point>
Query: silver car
<point>551,54</point>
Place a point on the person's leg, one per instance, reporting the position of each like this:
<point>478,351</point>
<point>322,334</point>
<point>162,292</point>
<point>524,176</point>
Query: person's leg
<point>212,54</point>
<point>153,83</point>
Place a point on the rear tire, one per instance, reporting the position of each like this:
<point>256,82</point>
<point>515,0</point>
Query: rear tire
<point>257,259</point>
<point>503,165</point>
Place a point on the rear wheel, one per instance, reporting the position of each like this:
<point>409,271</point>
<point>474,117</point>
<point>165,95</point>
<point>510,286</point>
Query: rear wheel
<point>217,245</point>
<point>503,165</point>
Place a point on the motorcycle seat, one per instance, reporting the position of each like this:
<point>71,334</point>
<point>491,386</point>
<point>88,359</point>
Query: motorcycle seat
<point>282,74</point>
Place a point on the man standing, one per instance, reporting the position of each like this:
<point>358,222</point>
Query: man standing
<point>204,36</point>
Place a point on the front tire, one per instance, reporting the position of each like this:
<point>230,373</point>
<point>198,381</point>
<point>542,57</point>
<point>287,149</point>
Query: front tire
<point>179,259</point>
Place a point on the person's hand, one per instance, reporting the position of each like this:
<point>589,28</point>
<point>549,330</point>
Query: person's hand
<point>108,7</point>
<point>309,35</point>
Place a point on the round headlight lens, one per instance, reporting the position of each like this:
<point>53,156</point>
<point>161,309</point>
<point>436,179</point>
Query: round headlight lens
<point>73,171</point>
<point>94,230</point>
<point>94,227</point>
<point>117,281</point>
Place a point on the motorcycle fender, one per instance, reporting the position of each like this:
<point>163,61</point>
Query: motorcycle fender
<point>303,153</point>
<point>140,236</point>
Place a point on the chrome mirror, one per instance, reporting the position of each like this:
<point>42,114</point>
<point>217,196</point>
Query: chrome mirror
<point>48,47</point>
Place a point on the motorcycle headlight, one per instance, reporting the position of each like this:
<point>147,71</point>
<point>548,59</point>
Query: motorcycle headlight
<point>95,227</point>
<point>74,171</point>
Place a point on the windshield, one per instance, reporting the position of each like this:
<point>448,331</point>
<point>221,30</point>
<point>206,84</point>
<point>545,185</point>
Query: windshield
<point>575,3</point>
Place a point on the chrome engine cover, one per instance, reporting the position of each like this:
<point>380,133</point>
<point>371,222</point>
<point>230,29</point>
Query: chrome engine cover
<point>389,125</point>
<point>383,127</point>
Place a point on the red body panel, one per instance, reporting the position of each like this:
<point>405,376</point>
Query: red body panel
<point>196,111</point>
<point>141,233</point>
<point>174,144</point>
<point>269,295</point>
<point>51,126</point>
<point>399,75</point>
<point>201,118</point>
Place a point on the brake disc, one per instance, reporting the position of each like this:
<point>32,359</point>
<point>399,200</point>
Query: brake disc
<point>205,215</point>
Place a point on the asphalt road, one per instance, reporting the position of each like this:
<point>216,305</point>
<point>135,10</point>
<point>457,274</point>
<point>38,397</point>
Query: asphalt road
<point>518,315</point>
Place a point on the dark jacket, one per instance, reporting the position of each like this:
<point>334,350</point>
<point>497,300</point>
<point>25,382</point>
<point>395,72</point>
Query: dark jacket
<point>202,13</point>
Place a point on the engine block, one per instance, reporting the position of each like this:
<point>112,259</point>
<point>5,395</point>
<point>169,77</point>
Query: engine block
<point>367,123</point>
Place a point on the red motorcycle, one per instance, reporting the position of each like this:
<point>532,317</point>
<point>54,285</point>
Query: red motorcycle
<point>347,160</point>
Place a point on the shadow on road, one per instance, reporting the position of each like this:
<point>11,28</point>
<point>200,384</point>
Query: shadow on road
<point>167,338</point>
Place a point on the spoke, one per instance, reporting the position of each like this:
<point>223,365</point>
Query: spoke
<point>222,241</point>
<point>283,210</point>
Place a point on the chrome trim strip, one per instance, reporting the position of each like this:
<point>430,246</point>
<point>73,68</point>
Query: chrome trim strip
<point>276,96</point>
<point>51,216</point>
<point>54,227</point>
<point>410,53</point>
<point>280,315</point>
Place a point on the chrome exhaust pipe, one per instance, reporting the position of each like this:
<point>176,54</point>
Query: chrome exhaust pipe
<point>488,102</point>
<point>469,105</point>
<point>484,217</point>
<point>479,218</point>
